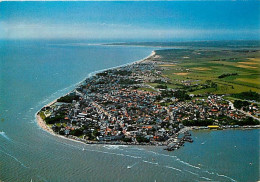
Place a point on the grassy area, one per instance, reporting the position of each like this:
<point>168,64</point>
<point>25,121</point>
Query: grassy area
<point>194,67</point>
<point>42,115</point>
<point>49,125</point>
<point>59,124</point>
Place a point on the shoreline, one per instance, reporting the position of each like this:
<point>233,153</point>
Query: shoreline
<point>41,123</point>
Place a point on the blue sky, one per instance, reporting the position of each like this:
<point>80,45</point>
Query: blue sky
<point>161,21</point>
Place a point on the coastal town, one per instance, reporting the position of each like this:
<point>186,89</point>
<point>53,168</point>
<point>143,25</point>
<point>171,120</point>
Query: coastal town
<point>120,106</point>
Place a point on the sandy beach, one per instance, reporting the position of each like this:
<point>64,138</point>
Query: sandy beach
<point>43,125</point>
<point>41,122</point>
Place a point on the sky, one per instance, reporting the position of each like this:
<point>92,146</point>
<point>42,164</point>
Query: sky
<point>141,21</point>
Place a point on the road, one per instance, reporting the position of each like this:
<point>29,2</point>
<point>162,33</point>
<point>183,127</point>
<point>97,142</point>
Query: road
<point>246,113</point>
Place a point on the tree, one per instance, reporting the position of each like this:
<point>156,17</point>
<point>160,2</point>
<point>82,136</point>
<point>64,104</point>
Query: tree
<point>161,86</point>
<point>239,103</point>
<point>127,139</point>
<point>68,98</point>
<point>181,95</point>
<point>96,133</point>
<point>197,122</point>
<point>141,139</point>
<point>76,132</point>
<point>247,96</point>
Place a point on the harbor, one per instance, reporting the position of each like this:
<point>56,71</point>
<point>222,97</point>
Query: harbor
<point>178,141</point>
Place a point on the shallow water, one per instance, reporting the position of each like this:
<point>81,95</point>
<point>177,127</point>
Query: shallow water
<point>34,73</point>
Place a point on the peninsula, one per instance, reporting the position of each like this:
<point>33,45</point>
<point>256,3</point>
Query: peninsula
<point>153,101</point>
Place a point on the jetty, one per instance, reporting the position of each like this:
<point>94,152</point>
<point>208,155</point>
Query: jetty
<point>175,143</point>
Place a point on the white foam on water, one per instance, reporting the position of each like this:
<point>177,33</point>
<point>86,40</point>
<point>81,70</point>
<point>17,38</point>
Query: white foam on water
<point>172,156</point>
<point>104,152</point>
<point>209,172</point>
<point>154,163</point>
<point>136,157</point>
<point>205,178</point>
<point>124,146</point>
<point>192,172</point>
<point>170,167</point>
<point>177,159</point>
<point>3,134</point>
<point>112,147</point>
<point>153,152</point>
<point>188,164</point>
<point>141,149</point>
<point>14,158</point>
<point>221,175</point>
<point>56,94</point>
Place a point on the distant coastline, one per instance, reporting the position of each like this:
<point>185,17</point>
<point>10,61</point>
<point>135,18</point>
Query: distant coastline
<point>210,44</point>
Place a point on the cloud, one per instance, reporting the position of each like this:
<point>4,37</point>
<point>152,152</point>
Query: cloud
<point>24,30</point>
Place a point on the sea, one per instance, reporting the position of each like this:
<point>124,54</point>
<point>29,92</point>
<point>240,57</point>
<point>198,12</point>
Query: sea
<point>34,73</point>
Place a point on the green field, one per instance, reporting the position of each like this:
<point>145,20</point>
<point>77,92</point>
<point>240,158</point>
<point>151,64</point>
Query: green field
<point>193,67</point>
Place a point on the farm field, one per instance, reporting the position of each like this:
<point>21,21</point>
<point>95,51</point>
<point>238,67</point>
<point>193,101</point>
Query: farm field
<point>214,71</point>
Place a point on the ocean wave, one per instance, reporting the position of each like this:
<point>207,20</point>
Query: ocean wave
<point>3,134</point>
<point>172,156</point>
<point>153,152</point>
<point>205,178</point>
<point>113,147</point>
<point>136,157</point>
<point>14,158</point>
<point>186,163</point>
<point>140,149</point>
<point>192,172</point>
<point>209,172</point>
<point>57,94</point>
<point>104,152</point>
<point>222,175</point>
<point>154,163</point>
<point>170,167</point>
